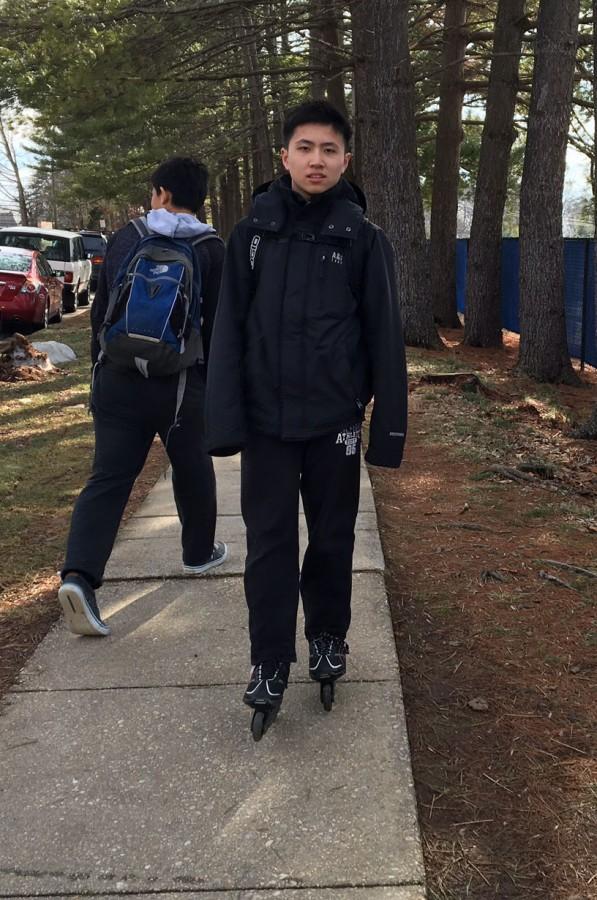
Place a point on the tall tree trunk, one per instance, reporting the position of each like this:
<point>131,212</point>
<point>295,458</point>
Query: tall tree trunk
<point>277,80</point>
<point>483,315</point>
<point>362,95</point>
<point>543,343</point>
<point>589,428</point>
<point>391,178</point>
<point>446,170</point>
<point>263,162</point>
<point>214,205</point>
<point>326,36</point>
<point>12,161</point>
<point>316,50</point>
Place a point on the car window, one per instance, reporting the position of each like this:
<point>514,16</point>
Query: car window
<point>93,243</point>
<point>44,267</point>
<point>14,262</point>
<point>53,248</point>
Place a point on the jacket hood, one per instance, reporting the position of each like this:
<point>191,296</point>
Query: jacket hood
<point>175,225</point>
<point>336,212</point>
<point>344,188</point>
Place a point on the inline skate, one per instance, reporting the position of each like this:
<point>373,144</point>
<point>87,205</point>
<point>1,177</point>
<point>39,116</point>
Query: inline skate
<point>264,694</point>
<point>327,663</point>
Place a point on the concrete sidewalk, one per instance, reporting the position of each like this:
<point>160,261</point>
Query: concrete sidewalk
<point>127,766</point>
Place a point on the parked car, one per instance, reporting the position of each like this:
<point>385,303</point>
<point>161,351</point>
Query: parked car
<point>95,245</point>
<point>30,292</point>
<point>64,251</point>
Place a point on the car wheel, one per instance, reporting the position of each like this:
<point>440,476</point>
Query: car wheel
<point>84,297</point>
<point>71,301</point>
<point>46,319</point>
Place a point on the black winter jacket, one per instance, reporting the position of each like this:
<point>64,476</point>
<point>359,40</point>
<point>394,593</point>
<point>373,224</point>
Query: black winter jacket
<point>308,327</point>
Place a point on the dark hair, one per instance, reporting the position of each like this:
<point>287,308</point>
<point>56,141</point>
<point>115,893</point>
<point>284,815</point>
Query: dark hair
<point>318,112</point>
<point>185,178</point>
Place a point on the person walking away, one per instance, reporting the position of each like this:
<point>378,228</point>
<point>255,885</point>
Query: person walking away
<point>129,404</point>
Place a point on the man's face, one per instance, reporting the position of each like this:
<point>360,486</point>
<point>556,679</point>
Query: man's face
<point>316,159</point>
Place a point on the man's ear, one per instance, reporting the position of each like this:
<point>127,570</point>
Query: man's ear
<point>164,197</point>
<point>284,157</point>
<point>347,158</point>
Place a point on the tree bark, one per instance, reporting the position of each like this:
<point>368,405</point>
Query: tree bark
<point>589,428</point>
<point>325,54</point>
<point>316,51</point>
<point>446,170</point>
<point>543,342</point>
<point>483,315</point>
<point>386,103</point>
<point>362,96</point>
<point>263,169</point>
<point>214,205</point>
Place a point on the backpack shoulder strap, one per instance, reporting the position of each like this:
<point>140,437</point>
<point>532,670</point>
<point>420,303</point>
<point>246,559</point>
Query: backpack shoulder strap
<point>140,226</point>
<point>205,237</point>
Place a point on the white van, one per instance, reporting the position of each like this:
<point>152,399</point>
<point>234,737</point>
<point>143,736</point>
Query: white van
<point>65,253</point>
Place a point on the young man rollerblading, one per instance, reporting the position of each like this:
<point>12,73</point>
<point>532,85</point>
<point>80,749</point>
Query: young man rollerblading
<point>307,331</point>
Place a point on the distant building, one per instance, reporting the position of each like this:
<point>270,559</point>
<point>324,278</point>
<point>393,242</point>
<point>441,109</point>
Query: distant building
<point>7,218</point>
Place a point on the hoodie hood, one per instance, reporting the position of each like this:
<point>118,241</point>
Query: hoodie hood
<point>176,225</point>
<point>344,188</point>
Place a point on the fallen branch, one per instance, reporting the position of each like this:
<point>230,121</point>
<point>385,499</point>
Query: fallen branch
<point>469,526</point>
<point>508,472</point>
<point>555,580</point>
<point>568,567</point>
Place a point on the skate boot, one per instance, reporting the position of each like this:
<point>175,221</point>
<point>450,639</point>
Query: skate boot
<point>264,694</point>
<point>327,663</point>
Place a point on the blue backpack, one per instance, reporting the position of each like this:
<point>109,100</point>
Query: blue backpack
<point>153,320</point>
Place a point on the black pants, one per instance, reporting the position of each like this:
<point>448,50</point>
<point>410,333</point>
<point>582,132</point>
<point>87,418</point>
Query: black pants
<point>326,472</point>
<point>128,411</point>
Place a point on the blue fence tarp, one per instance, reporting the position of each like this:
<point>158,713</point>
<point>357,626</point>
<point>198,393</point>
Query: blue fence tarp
<point>579,280</point>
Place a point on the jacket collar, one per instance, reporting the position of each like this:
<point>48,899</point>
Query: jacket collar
<point>274,202</point>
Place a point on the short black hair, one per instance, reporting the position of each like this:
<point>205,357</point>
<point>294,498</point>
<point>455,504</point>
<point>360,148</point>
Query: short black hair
<point>320,112</point>
<point>185,178</point>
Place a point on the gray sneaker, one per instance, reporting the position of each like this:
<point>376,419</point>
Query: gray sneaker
<point>218,556</point>
<point>81,612</point>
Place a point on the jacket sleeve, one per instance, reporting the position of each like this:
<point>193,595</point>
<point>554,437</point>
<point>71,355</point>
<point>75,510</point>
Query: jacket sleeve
<point>387,359</point>
<point>98,311</point>
<point>119,246</point>
<point>214,257</point>
<point>225,408</point>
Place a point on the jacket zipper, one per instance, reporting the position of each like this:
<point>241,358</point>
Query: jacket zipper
<point>303,341</point>
<point>280,332</point>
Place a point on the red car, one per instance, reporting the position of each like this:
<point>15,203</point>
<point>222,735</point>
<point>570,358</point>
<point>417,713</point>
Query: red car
<point>30,293</point>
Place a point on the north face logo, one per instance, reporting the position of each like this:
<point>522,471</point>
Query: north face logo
<point>337,258</point>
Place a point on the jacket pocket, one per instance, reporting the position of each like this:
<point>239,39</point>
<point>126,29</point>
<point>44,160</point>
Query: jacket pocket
<point>335,298</point>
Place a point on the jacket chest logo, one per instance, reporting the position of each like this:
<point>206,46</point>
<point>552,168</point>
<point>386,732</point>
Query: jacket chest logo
<point>337,258</point>
<point>253,249</point>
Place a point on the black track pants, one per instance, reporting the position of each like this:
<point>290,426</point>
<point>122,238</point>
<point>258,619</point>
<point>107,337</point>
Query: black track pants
<point>128,411</point>
<point>325,471</point>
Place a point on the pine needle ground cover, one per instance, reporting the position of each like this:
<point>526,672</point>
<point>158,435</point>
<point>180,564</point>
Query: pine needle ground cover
<point>46,449</point>
<point>490,537</point>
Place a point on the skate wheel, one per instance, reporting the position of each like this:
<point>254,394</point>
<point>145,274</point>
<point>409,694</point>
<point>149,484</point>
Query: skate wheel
<point>327,695</point>
<point>258,725</point>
